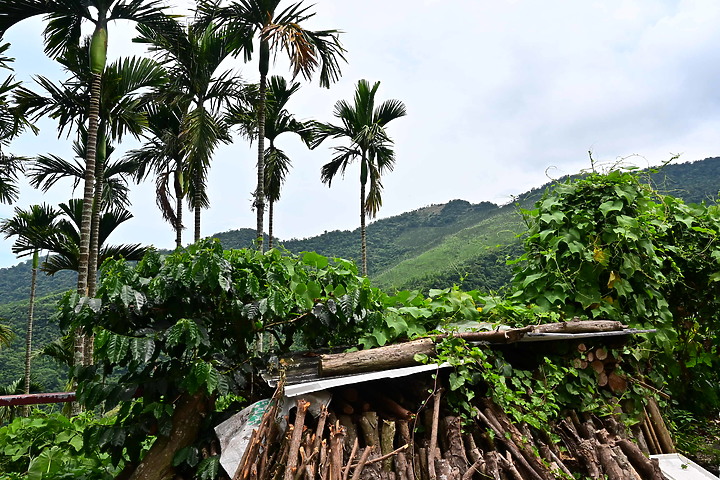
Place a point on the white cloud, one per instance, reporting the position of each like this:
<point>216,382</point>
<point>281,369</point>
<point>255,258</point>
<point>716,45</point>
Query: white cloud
<point>496,93</point>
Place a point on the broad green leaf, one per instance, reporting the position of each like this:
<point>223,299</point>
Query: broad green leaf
<point>610,206</point>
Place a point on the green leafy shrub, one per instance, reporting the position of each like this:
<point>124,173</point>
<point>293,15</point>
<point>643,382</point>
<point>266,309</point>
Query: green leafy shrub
<point>51,446</point>
<point>609,246</point>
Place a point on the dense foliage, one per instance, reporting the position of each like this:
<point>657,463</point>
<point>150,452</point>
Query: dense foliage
<point>609,246</point>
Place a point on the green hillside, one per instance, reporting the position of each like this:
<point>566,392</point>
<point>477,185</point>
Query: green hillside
<point>431,247</point>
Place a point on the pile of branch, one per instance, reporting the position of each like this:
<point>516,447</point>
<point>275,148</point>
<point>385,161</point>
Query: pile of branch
<point>378,433</point>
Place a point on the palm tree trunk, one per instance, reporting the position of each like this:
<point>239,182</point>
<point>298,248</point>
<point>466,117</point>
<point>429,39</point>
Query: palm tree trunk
<point>363,244</point>
<point>178,212</point>
<point>29,332</point>
<point>270,224</point>
<point>196,205</point>
<point>100,157</point>
<point>88,194</point>
<point>260,191</point>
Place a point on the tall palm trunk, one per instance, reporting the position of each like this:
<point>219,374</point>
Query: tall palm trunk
<point>94,254</point>
<point>363,244</point>
<point>29,332</point>
<point>178,210</point>
<point>363,237</point>
<point>100,159</point>
<point>260,192</point>
<point>270,224</point>
<point>88,197</point>
<point>196,204</point>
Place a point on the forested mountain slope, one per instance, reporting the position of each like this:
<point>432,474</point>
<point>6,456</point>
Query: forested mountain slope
<point>431,247</point>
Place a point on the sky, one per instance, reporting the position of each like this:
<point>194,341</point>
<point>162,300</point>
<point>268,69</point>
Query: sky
<point>502,96</point>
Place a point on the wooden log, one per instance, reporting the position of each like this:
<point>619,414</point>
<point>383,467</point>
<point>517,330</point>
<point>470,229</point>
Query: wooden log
<point>350,432</point>
<point>445,471</point>
<point>391,356</point>
<point>337,439</point>
<point>361,464</point>
<point>580,363</point>
<point>582,449</point>
<point>371,435</point>
<point>369,427</point>
<point>489,419</point>
<point>390,406</point>
<point>617,383</point>
<point>607,460</point>
<point>507,464</point>
<point>628,470</point>
<point>597,366</point>
<point>387,440</point>
<point>652,442</point>
<point>434,435</point>
<point>511,335</point>
<point>658,424</point>
<point>405,437</point>
<point>421,459</point>
<point>401,466</point>
<point>602,379</point>
<point>293,451</point>
<point>453,441</point>
<point>601,353</point>
<point>477,466</point>
<point>552,459</point>
<point>640,439</point>
<point>648,469</point>
<point>580,326</point>
<point>351,458</point>
<point>491,462</point>
<point>473,452</point>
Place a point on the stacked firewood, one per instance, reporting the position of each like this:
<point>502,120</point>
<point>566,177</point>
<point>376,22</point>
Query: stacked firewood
<point>376,432</point>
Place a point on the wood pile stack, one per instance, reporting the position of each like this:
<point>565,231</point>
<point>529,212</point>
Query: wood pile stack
<point>384,430</point>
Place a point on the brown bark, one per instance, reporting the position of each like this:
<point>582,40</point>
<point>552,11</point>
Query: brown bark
<point>293,451</point>
<point>666,443</point>
<point>607,460</point>
<point>350,431</point>
<point>387,439</point>
<point>508,466</point>
<point>371,435</point>
<point>491,462</point>
<point>617,383</point>
<point>580,326</point>
<point>434,435</point>
<point>652,442</point>
<point>157,464</point>
<point>498,336</point>
<point>648,469</point>
<point>392,356</point>
<point>582,449</point>
<point>499,431</point>
<point>361,464</point>
<point>454,448</point>
<point>337,433</point>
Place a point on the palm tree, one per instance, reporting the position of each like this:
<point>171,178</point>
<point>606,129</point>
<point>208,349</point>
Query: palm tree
<point>10,125</point>
<point>63,30</point>
<point>6,335</point>
<point>162,155</point>
<point>65,244</point>
<point>200,90</point>
<point>277,121</point>
<point>307,50</point>
<point>364,125</point>
<point>122,110</point>
<point>31,227</point>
